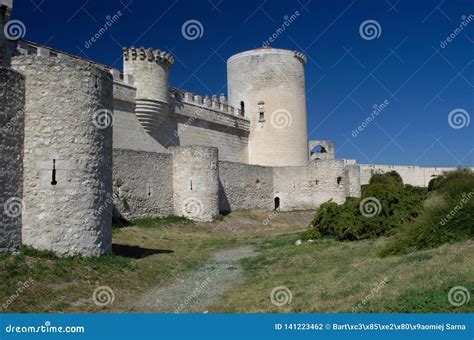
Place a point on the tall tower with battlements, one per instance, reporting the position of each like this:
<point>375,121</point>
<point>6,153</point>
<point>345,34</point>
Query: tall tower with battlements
<point>268,85</point>
<point>150,71</point>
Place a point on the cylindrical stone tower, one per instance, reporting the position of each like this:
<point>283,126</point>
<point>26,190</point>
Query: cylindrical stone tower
<point>68,156</point>
<point>12,93</point>
<point>268,85</point>
<point>196,182</point>
<point>150,71</point>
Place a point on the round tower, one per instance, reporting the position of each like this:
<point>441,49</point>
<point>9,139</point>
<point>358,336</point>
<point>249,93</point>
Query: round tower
<point>12,92</point>
<point>67,188</point>
<point>196,182</point>
<point>268,85</point>
<point>150,71</point>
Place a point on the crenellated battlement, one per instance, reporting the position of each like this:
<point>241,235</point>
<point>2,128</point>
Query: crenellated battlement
<point>24,47</point>
<point>216,103</point>
<point>149,54</point>
<point>301,56</point>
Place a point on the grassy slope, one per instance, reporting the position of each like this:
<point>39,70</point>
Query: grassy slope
<point>330,276</point>
<point>325,276</point>
<point>66,285</point>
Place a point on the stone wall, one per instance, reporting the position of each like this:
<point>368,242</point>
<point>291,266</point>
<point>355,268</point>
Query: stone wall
<point>309,186</point>
<point>413,175</point>
<point>244,186</point>
<point>196,182</point>
<point>12,93</point>
<point>68,156</point>
<point>128,132</point>
<point>142,183</point>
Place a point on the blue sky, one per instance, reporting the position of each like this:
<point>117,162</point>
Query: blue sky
<point>405,63</point>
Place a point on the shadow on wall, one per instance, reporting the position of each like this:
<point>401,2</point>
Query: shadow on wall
<point>224,205</point>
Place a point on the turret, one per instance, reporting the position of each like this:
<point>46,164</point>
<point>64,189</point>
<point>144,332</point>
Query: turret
<point>150,71</point>
<point>268,86</point>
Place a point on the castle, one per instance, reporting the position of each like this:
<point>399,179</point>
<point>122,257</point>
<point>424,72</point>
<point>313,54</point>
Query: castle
<point>82,142</point>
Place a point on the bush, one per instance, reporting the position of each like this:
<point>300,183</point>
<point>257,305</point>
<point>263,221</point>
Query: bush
<point>393,202</point>
<point>391,177</point>
<point>449,220</point>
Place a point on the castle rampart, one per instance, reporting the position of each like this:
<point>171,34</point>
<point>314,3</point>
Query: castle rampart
<point>196,182</point>
<point>68,156</point>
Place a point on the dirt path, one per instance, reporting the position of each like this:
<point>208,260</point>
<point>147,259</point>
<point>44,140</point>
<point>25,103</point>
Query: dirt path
<point>200,288</point>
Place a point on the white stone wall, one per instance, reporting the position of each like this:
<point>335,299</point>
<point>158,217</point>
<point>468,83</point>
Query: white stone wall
<point>309,186</point>
<point>413,175</point>
<point>72,217</point>
<point>244,186</point>
<point>196,182</point>
<point>128,132</point>
<point>12,92</point>
<point>352,173</point>
<point>142,183</point>
<point>271,81</point>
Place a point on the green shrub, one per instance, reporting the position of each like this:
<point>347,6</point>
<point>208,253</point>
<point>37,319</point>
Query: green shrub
<point>393,204</point>
<point>447,218</point>
<point>391,177</point>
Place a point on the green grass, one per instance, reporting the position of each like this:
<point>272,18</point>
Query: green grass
<point>152,222</point>
<point>335,277</point>
<point>324,276</point>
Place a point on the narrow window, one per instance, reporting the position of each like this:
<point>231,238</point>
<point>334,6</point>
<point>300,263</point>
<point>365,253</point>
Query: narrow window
<point>242,108</point>
<point>191,185</point>
<point>96,82</point>
<point>261,111</point>
<point>339,180</point>
<point>53,174</point>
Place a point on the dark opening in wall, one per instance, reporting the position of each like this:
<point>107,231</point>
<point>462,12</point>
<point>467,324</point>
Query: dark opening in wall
<point>339,180</point>
<point>277,203</point>
<point>242,108</point>
<point>53,174</point>
<point>318,149</point>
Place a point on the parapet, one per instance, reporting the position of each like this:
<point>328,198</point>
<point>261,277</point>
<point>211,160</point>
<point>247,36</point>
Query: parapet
<point>301,56</point>
<point>141,53</point>
<point>216,103</point>
<point>24,47</point>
